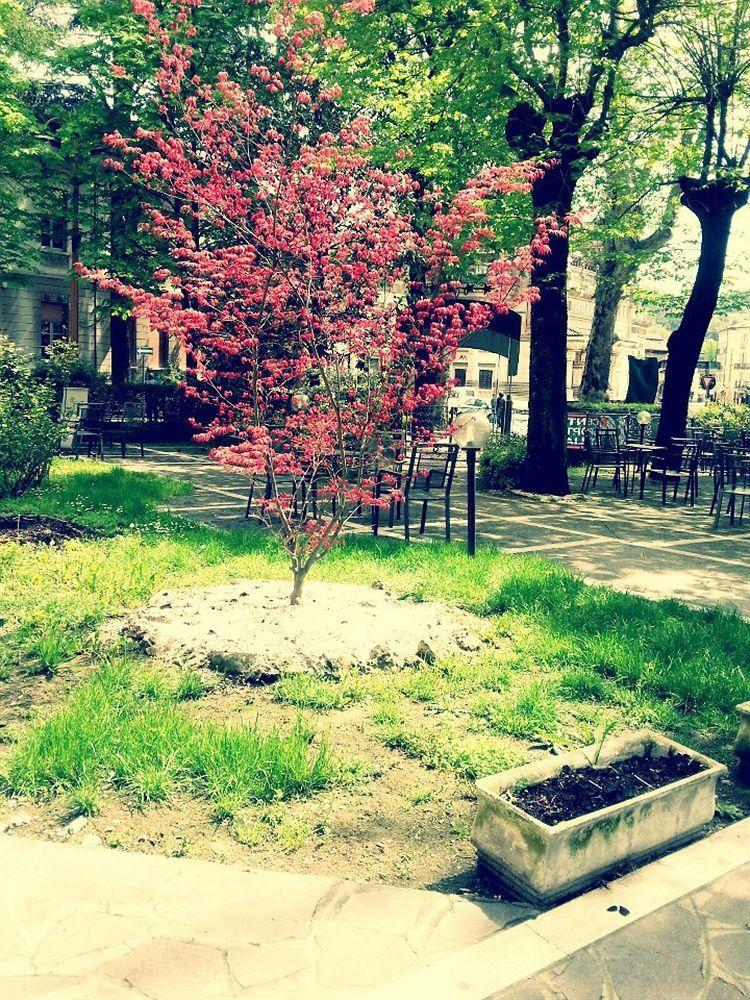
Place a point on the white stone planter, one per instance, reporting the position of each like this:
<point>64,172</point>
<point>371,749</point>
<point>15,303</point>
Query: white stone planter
<point>543,863</point>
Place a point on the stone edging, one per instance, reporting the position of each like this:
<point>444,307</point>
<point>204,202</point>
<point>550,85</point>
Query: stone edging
<point>517,952</point>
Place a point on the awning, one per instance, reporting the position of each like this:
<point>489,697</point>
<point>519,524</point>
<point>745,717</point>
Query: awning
<point>502,336</point>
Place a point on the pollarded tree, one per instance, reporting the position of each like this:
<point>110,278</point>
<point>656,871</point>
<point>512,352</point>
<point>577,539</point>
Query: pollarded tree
<point>288,304</point>
<point>703,72</point>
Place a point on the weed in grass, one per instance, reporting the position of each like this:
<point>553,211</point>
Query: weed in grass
<point>293,834</point>
<point>251,833</point>
<point>190,686</point>
<point>150,783</point>
<point>421,797</point>
<point>422,685</point>
<point>309,691</point>
<point>529,712</point>
<point>226,807</point>
<point>48,651</point>
<point>85,800</point>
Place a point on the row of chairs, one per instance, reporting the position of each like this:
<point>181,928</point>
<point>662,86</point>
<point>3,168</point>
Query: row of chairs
<point>408,474</point>
<point>669,467</point>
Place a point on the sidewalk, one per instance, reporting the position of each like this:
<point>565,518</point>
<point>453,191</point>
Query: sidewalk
<point>94,923</point>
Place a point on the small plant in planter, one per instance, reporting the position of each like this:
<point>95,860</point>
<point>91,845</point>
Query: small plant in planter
<point>554,827</point>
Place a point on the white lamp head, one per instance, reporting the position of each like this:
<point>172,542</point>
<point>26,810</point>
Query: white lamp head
<point>471,429</point>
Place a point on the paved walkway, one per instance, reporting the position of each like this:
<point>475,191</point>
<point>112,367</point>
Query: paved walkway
<point>698,946</point>
<point>636,546</point>
<point>91,923</point>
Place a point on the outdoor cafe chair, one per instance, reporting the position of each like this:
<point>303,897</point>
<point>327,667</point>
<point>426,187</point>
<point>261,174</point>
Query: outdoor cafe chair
<point>429,477</point>
<point>603,453</point>
<point>89,429</point>
<point>731,480</point>
<point>127,424</point>
<point>680,460</point>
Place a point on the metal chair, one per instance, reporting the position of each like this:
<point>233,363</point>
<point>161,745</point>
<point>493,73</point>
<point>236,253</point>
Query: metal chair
<point>89,429</point>
<point>127,424</point>
<point>603,452</point>
<point>732,480</point>
<point>681,459</point>
<point>429,477</point>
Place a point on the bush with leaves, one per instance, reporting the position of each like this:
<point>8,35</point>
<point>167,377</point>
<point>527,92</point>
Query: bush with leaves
<point>64,366</point>
<point>728,419</point>
<point>28,434</point>
<point>501,461</point>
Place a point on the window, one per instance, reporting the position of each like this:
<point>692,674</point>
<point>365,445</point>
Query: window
<point>54,228</point>
<point>485,378</point>
<point>459,374</point>
<point>54,233</point>
<point>53,323</point>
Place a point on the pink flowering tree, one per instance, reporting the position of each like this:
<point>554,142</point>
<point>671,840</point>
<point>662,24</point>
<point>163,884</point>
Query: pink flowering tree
<point>288,282</point>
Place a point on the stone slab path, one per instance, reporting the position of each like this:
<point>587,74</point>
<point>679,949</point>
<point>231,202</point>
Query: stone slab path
<point>91,923</point>
<point>640,547</point>
<point>698,946</point>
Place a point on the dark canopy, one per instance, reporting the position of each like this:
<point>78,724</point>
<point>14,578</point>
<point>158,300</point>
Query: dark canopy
<point>502,336</point>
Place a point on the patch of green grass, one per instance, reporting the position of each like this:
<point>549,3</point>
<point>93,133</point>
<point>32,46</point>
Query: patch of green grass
<point>109,733</point>
<point>529,712</point>
<point>308,691</point>
<point>585,684</point>
<point>190,686</point>
<point>85,800</point>
<point>442,746</point>
<point>106,498</point>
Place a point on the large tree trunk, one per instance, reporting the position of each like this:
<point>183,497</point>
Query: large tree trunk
<point>610,285</point>
<point>714,203</point>
<point>546,470</point>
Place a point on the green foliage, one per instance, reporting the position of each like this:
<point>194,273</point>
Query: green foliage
<point>64,366</point>
<point>604,406</point>
<point>727,419</point>
<point>113,731</point>
<point>28,435</point>
<point>501,461</point>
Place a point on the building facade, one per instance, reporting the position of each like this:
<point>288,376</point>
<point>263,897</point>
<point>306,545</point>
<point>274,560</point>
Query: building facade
<point>733,357</point>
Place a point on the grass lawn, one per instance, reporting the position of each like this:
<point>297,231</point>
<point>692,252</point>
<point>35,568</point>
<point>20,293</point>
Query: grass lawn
<point>368,777</point>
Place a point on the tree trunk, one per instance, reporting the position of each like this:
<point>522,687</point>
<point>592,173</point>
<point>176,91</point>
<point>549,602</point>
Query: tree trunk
<point>299,578</point>
<point>714,203</point>
<point>610,285</point>
<point>546,470</point>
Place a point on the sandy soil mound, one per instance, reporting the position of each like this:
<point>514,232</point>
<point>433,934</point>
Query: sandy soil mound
<point>249,628</point>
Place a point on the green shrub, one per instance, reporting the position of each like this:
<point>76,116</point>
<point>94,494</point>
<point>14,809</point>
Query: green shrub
<point>64,366</point>
<point>724,418</point>
<point>501,462</point>
<point>28,435</point>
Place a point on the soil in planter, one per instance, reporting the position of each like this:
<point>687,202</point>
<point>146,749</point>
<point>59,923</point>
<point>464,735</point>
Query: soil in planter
<point>576,792</point>
<point>29,529</point>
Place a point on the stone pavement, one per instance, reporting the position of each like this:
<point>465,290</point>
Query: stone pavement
<point>636,546</point>
<point>698,946</point>
<point>91,923</point>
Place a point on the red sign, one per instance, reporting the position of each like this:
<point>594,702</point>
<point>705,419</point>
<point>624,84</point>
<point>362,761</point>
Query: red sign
<point>708,382</point>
